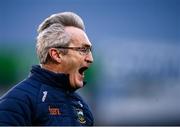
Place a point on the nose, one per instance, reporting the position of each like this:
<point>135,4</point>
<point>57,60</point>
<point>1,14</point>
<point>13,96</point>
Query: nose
<point>89,58</point>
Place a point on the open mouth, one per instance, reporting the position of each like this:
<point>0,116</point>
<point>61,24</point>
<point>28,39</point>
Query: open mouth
<point>82,70</point>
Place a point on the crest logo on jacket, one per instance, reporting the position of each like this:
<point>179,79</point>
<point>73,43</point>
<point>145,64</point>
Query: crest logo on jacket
<point>80,116</point>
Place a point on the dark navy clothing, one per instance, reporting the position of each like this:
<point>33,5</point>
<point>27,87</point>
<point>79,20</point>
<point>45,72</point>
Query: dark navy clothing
<point>44,98</point>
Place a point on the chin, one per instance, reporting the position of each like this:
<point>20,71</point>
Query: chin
<point>76,80</point>
<point>79,85</point>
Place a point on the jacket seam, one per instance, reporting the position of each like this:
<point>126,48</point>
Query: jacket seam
<point>26,91</point>
<point>7,110</point>
<point>13,98</point>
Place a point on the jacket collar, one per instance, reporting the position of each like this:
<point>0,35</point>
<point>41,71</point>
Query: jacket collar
<point>50,78</point>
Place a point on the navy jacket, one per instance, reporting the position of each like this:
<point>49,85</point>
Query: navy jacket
<point>44,98</point>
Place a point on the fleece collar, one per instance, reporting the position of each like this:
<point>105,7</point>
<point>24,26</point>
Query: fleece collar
<point>50,78</point>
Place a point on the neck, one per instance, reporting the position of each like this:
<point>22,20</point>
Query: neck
<point>51,67</point>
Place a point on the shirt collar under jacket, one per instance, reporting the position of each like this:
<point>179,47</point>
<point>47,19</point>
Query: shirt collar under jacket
<point>50,78</point>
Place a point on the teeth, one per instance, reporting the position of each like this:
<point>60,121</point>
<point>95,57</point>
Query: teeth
<point>83,74</point>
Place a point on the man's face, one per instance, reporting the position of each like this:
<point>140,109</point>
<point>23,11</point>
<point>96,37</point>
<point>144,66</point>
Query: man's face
<point>76,62</point>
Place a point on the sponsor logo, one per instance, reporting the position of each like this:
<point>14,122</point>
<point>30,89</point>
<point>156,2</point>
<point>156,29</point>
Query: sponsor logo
<point>54,111</point>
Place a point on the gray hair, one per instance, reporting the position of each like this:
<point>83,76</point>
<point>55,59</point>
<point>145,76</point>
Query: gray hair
<point>51,32</point>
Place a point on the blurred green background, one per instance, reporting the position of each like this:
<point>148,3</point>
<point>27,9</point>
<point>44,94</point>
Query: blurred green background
<point>135,78</point>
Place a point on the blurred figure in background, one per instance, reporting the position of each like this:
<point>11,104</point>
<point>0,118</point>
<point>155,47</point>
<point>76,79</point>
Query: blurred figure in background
<point>47,96</point>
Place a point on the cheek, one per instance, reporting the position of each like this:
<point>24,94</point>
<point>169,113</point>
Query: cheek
<point>73,63</point>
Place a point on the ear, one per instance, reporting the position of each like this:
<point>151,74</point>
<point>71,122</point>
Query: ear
<point>55,55</point>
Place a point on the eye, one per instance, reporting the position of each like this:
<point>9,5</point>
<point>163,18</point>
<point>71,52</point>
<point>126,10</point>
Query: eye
<point>84,49</point>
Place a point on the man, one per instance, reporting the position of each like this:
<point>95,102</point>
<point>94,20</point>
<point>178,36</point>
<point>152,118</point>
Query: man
<point>47,96</point>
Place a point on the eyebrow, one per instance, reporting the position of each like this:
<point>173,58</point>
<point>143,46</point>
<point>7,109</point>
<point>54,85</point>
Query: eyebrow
<point>86,45</point>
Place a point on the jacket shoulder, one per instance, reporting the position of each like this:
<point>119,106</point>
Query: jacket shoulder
<point>16,106</point>
<point>22,91</point>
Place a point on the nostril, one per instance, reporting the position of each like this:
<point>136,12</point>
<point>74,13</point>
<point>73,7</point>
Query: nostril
<point>89,59</point>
